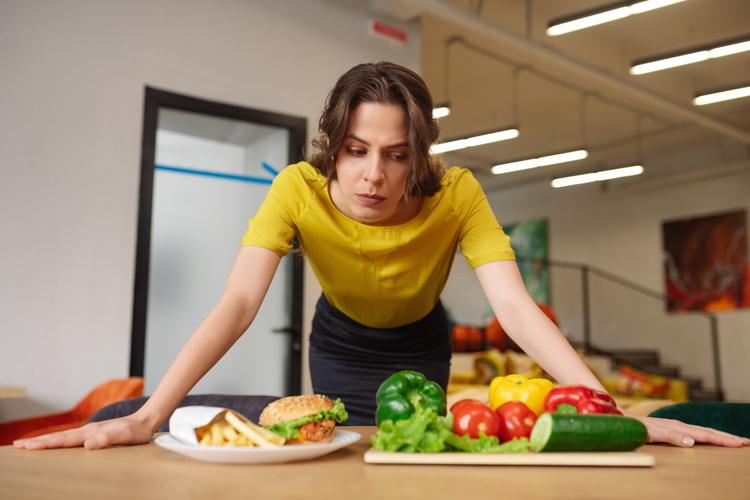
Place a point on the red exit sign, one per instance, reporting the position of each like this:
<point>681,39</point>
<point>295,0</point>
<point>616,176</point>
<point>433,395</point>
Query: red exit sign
<point>379,28</point>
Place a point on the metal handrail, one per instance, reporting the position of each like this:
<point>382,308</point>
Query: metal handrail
<point>587,341</point>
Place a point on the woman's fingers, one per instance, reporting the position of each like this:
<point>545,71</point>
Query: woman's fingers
<point>706,435</point>
<point>745,441</point>
<point>685,435</point>
<point>92,436</point>
<point>64,439</point>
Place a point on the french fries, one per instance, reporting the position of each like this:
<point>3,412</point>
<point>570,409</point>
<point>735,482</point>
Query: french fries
<point>230,429</point>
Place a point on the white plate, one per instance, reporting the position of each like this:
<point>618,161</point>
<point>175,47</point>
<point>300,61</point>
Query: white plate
<point>257,455</point>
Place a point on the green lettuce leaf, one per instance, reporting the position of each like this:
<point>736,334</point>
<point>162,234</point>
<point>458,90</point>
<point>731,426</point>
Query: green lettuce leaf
<point>290,429</point>
<point>426,432</point>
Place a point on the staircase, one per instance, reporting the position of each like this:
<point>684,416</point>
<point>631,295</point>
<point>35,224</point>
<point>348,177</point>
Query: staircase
<point>649,362</point>
<point>609,315</point>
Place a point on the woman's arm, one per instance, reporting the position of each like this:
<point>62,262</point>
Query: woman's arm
<point>246,287</point>
<point>530,328</point>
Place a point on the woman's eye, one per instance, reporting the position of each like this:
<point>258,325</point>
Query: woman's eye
<point>355,152</point>
<point>400,157</point>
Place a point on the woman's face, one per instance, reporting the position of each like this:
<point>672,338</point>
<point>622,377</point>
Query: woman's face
<point>373,165</point>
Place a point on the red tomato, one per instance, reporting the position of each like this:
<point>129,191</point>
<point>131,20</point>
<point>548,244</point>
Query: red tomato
<point>460,404</point>
<point>516,420</point>
<point>473,418</point>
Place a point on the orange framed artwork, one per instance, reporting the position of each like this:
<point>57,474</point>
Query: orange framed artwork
<point>706,263</point>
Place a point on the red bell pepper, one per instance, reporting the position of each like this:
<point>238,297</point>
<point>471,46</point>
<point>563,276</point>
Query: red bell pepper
<point>579,399</point>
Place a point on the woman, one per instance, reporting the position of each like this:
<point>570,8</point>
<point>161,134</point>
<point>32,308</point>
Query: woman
<point>379,220</point>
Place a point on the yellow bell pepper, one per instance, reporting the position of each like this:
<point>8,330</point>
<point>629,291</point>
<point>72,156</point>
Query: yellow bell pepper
<point>519,388</point>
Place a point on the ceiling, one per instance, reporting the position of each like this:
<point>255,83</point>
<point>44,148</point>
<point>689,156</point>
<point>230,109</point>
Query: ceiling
<point>498,69</point>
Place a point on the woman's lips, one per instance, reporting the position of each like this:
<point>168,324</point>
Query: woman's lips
<point>370,199</point>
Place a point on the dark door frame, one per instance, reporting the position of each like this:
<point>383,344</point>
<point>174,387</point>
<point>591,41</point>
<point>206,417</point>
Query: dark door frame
<point>155,99</point>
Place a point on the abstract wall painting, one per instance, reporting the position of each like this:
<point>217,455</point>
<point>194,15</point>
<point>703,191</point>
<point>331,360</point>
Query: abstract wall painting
<point>706,263</point>
<point>529,239</point>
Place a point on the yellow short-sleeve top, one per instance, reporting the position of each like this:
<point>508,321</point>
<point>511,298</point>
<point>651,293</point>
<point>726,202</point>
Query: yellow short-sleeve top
<point>380,276</point>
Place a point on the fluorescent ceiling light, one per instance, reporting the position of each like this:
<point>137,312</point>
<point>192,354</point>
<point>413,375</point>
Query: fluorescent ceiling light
<point>597,176</point>
<point>724,95</point>
<point>543,161</point>
<point>690,56</point>
<point>587,22</point>
<point>640,7</point>
<point>727,50</point>
<point>441,111</point>
<point>604,15</point>
<point>670,62</point>
<point>503,135</point>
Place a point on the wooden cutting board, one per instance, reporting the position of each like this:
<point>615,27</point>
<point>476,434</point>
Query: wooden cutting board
<point>600,459</point>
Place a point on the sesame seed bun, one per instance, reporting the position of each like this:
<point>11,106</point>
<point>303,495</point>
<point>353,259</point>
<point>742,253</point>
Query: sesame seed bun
<point>293,407</point>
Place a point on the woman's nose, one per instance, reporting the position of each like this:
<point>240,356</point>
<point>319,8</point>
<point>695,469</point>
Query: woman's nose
<point>374,172</point>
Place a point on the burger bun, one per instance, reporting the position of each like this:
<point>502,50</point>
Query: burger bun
<point>294,407</point>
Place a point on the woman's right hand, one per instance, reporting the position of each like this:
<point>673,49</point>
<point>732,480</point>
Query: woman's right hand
<point>93,436</point>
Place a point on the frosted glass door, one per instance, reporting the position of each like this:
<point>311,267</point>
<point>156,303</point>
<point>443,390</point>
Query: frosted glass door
<point>211,175</point>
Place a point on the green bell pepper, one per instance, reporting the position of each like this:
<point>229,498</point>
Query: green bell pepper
<point>401,393</point>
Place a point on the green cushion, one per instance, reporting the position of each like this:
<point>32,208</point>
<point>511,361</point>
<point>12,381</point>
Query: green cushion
<point>733,418</point>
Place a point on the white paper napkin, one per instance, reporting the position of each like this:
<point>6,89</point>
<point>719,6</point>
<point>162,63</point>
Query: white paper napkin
<point>185,420</point>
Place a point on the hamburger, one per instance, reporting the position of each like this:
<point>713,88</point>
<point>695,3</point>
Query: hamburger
<point>307,419</point>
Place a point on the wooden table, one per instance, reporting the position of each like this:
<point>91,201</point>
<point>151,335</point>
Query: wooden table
<point>148,471</point>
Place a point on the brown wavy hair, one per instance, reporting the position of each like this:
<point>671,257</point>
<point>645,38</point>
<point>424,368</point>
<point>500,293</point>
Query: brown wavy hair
<point>382,83</point>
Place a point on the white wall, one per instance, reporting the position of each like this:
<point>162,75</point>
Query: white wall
<point>71,94</point>
<point>622,233</point>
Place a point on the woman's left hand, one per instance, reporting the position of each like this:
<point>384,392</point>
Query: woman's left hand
<point>662,430</point>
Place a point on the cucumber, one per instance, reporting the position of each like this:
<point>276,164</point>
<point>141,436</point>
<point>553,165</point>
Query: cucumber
<point>559,432</point>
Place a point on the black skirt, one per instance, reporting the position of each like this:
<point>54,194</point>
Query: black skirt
<point>349,360</point>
